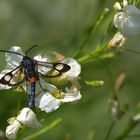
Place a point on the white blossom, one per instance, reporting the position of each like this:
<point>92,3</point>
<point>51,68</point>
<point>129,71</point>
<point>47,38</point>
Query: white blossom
<point>73,73</point>
<point>51,100</point>
<point>128,20</point>
<point>54,97</point>
<point>75,68</point>
<point>25,118</point>
<point>28,118</point>
<point>12,129</point>
<point>47,102</point>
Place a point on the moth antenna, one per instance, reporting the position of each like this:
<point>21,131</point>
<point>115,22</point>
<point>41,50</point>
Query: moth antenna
<point>34,46</point>
<point>11,52</point>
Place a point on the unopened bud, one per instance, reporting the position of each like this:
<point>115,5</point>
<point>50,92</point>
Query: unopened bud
<point>108,55</point>
<point>96,83</point>
<point>115,109</point>
<point>119,81</point>
<point>136,118</point>
<point>117,41</point>
<point>125,3</point>
<point>117,6</point>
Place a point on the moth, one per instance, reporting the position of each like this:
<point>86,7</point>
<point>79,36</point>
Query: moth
<point>28,71</point>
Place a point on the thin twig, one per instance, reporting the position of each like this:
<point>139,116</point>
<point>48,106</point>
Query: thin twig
<point>110,130</point>
<point>44,130</point>
<point>132,51</point>
<point>93,29</point>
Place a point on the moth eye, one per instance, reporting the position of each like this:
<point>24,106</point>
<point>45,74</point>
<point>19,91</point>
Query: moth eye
<point>59,66</point>
<point>7,77</point>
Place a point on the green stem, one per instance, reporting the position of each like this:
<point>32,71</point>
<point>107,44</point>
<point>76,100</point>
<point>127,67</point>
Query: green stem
<point>93,55</point>
<point>92,30</point>
<point>132,51</point>
<point>134,2</point>
<point>114,95</point>
<point>44,130</point>
<point>130,126</point>
<point>112,81</point>
<point>110,130</point>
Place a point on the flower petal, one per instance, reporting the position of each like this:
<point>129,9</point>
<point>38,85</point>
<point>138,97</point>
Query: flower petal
<point>128,21</point>
<point>13,60</point>
<point>47,102</point>
<point>71,96</point>
<point>119,19</point>
<point>133,11</point>
<point>12,129</point>
<point>40,58</point>
<point>125,3</point>
<point>75,68</point>
<point>28,118</point>
<point>131,27</point>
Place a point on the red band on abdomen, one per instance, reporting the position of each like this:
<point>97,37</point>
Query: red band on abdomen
<point>32,80</point>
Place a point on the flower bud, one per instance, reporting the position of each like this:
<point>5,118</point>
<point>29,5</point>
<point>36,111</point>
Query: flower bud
<point>117,6</point>
<point>115,109</point>
<point>28,118</point>
<point>120,81</point>
<point>12,129</point>
<point>95,83</point>
<point>117,41</point>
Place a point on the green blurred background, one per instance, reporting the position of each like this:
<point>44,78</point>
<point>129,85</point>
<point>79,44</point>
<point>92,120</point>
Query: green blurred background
<point>61,26</point>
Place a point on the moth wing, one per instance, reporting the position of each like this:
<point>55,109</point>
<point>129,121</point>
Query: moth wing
<point>50,69</point>
<point>14,77</point>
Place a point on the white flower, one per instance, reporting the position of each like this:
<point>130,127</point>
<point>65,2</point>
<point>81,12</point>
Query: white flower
<point>12,129</point>
<point>136,118</point>
<point>75,70</point>
<point>26,118</point>
<point>120,6</point>
<point>47,102</point>
<point>51,100</point>
<point>128,21</point>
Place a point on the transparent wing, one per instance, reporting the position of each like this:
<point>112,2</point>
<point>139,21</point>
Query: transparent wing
<point>14,77</point>
<point>50,69</point>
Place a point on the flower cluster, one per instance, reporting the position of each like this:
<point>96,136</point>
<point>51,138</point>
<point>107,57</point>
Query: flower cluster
<point>48,96</point>
<point>26,118</point>
<point>128,20</point>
